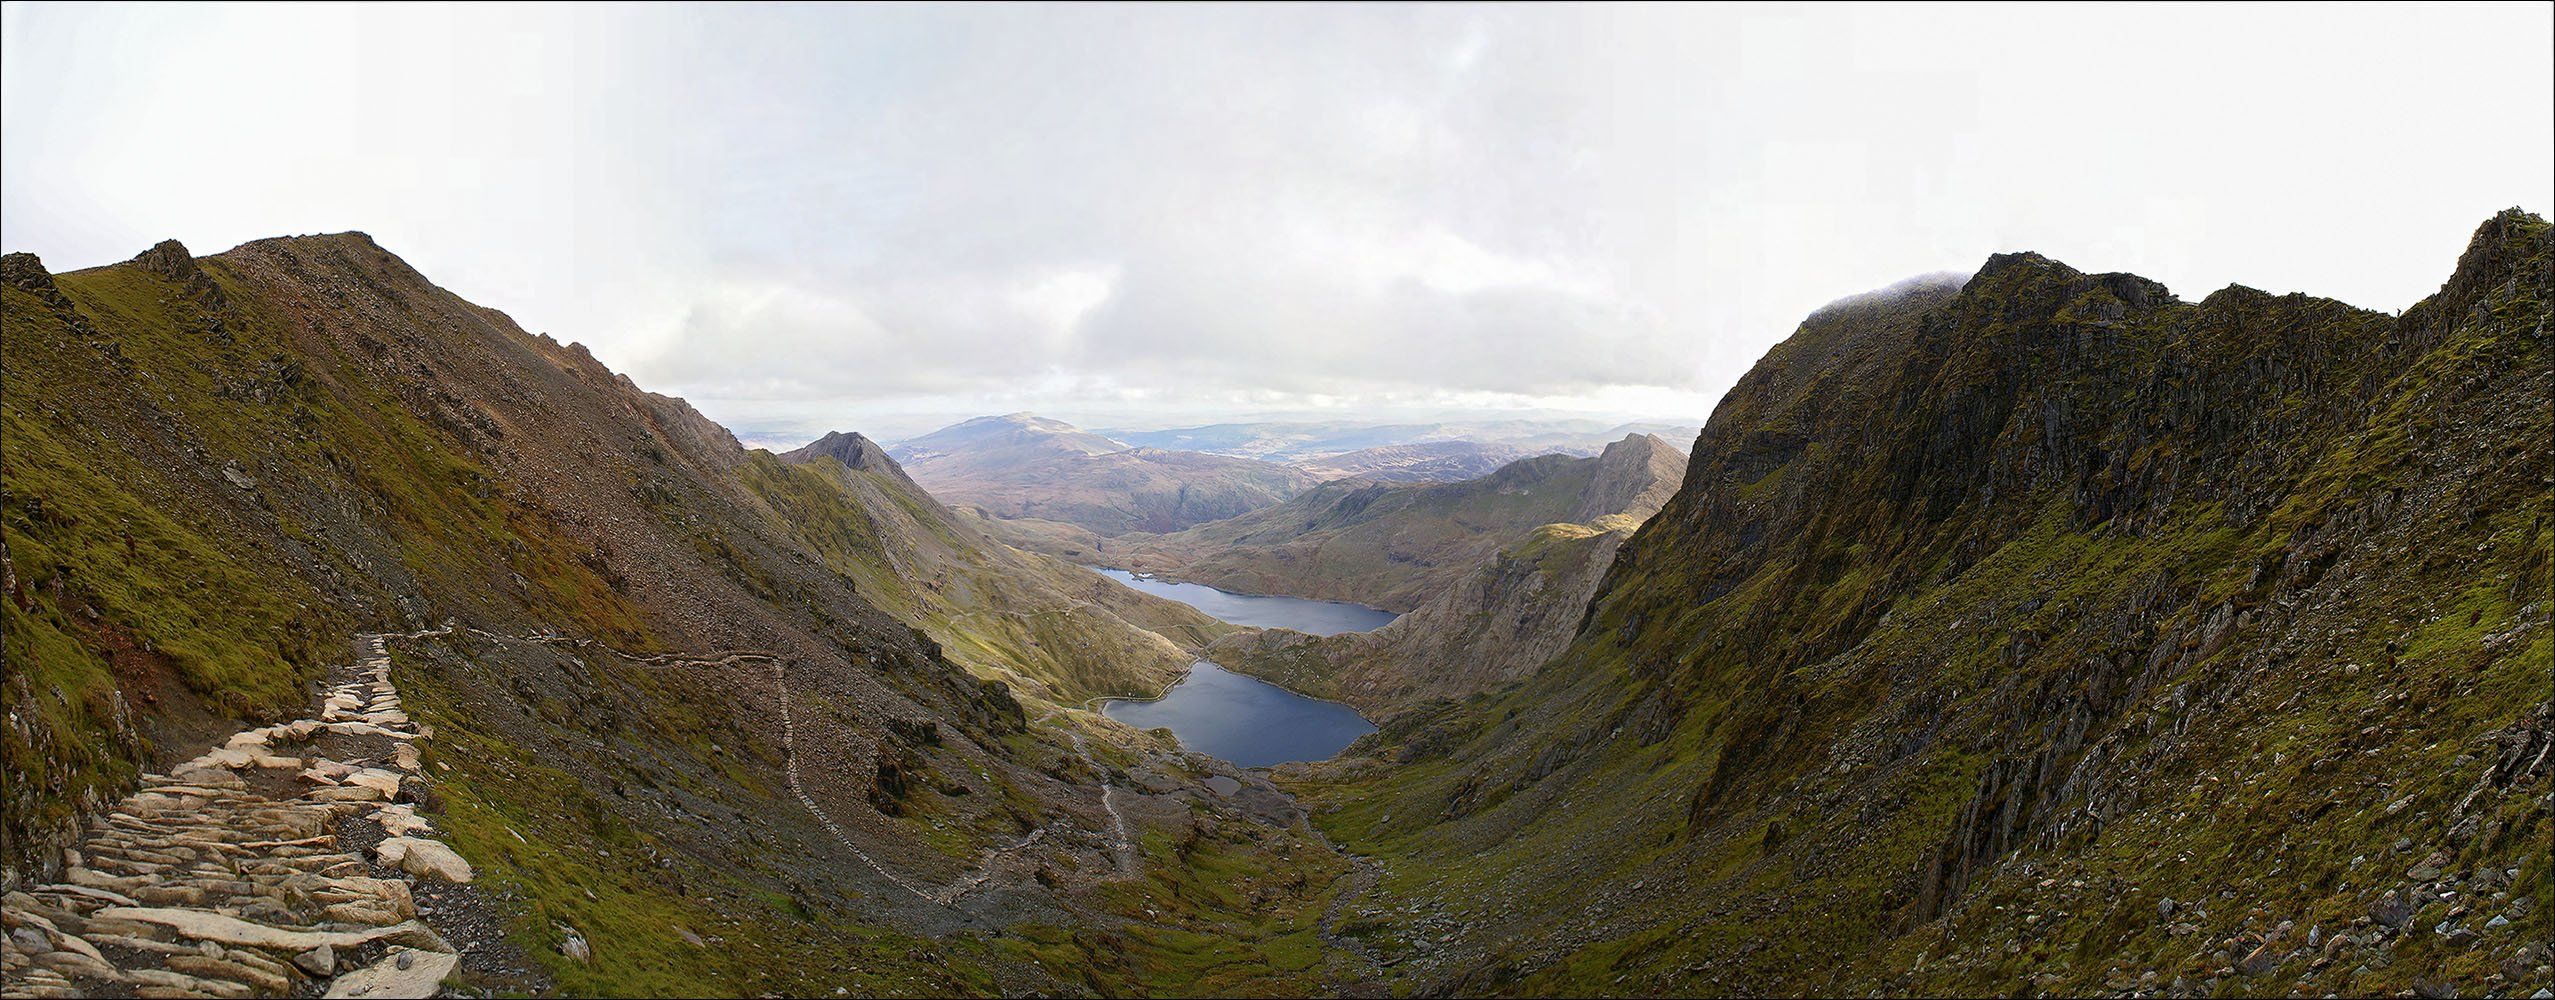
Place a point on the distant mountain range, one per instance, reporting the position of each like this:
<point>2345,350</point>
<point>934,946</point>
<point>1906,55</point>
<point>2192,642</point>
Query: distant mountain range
<point>1294,441</point>
<point>1394,546</point>
<point>1021,466</point>
<point>1059,487</point>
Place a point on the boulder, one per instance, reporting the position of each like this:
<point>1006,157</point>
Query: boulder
<point>424,858</point>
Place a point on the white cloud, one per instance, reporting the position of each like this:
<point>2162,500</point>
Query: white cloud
<point>837,215</point>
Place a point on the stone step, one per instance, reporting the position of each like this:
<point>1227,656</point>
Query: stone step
<point>214,885</point>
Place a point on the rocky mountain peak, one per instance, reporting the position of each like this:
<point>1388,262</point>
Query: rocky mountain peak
<point>853,449</point>
<point>2499,248</point>
<point>169,259</point>
<point>1635,476</point>
<point>25,270</point>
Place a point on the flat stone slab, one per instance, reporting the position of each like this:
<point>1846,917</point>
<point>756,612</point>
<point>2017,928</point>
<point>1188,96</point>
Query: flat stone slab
<point>405,972</point>
<point>214,927</point>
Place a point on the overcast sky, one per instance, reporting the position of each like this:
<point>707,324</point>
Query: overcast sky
<point>881,217</point>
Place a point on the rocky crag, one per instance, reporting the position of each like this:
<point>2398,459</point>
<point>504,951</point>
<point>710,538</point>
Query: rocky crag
<point>2047,634</point>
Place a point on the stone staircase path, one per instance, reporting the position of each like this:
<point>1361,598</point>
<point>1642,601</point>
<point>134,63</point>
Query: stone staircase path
<point>227,877</point>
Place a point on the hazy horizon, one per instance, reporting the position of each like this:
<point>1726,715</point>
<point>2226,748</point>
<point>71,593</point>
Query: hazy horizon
<point>876,218</point>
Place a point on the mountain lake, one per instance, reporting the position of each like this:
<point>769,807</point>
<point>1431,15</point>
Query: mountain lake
<point>1246,720</point>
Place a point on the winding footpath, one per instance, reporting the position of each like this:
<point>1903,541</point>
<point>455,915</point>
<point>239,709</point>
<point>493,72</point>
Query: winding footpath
<point>1122,846</point>
<point>234,875</point>
<point>230,876</point>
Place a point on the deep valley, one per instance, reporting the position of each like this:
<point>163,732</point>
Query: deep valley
<point>2029,632</point>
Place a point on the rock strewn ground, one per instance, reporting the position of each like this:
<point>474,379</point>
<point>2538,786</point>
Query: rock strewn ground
<point>227,877</point>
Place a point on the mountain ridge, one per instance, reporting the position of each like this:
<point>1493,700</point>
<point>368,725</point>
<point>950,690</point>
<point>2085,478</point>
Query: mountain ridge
<point>1031,469</point>
<point>1393,546</point>
<point>682,747</point>
<point>1967,621</point>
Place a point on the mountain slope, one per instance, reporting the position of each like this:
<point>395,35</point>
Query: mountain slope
<point>1494,626</point>
<point>1395,546</point>
<point>1424,462</point>
<point>1509,616</point>
<point>1044,627</point>
<point>2064,637</point>
<point>1034,469</point>
<point>663,727</point>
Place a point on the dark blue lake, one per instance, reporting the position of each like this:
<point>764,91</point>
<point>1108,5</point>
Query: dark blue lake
<point>1247,721</point>
<point>1316,617</point>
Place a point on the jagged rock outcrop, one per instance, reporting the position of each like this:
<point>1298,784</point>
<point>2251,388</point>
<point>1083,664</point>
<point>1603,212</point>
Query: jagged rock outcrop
<point>854,450</point>
<point>1633,478</point>
<point>2044,633</point>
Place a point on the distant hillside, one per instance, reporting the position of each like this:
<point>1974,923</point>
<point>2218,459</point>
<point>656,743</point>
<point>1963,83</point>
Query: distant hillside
<point>1025,467</point>
<point>1395,546</point>
<point>1491,627</point>
<point>1047,628</point>
<point>1428,462</point>
<point>1305,442</point>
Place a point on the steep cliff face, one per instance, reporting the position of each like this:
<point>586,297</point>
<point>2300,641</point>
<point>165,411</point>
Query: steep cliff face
<point>668,726</point>
<point>2053,635</point>
<point>1494,626</point>
<point>1395,546</point>
<point>1490,627</point>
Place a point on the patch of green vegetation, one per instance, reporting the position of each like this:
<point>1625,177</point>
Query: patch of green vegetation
<point>1042,627</point>
<point>1948,714</point>
<point>1220,913</point>
<point>123,602</point>
<point>662,910</point>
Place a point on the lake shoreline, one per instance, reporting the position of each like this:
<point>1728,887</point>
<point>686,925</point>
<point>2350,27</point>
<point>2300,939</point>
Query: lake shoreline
<point>1312,616</point>
<point>1245,720</point>
<point>1157,575</point>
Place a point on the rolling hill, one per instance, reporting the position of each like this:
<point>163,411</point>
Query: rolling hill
<point>1028,468</point>
<point>1394,546</point>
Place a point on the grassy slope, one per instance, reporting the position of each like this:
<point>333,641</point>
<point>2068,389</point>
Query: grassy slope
<point>131,556</point>
<point>1490,628</point>
<point>1945,672</point>
<point>1046,628</point>
<point>417,457</point>
<point>1387,546</point>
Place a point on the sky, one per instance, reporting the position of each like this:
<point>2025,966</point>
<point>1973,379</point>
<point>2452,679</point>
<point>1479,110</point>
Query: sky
<point>887,218</point>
